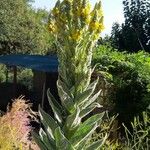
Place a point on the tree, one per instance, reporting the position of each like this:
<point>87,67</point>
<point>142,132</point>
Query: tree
<point>22,29</point>
<point>134,32</point>
<point>116,36</point>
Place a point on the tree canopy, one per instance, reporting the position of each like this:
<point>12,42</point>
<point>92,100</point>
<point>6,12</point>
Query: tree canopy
<point>22,28</point>
<point>134,33</point>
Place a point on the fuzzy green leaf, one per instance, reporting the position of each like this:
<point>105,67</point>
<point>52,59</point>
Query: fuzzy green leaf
<point>86,129</point>
<point>49,123</point>
<point>73,120</point>
<point>56,107</point>
<point>88,109</point>
<point>72,123</point>
<point>91,100</point>
<point>93,84</point>
<point>49,144</point>
<point>82,134</point>
<point>83,97</point>
<point>65,96</point>
<point>82,145</point>
<point>38,140</point>
<point>63,86</point>
<point>62,142</point>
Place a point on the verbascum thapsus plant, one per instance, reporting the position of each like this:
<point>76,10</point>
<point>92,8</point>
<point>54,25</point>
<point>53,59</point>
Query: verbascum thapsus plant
<point>15,127</point>
<point>75,28</point>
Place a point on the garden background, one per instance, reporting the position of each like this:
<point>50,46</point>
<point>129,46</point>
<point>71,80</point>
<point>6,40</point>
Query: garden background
<point>122,62</point>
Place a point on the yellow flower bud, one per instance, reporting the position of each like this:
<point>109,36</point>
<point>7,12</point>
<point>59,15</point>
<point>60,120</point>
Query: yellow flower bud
<point>73,17</point>
<point>94,25</point>
<point>85,11</point>
<point>55,11</point>
<point>76,35</point>
<point>52,28</point>
<point>100,28</point>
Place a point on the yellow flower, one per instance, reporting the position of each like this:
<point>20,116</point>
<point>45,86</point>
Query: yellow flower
<point>52,28</point>
<point>100,27</point>
<point>94,25</point>
<point>76,35</point>
<point>85,11</point>
<point>55,11</point>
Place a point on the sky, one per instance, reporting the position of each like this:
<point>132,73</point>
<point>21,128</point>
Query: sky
<point>113,11</point>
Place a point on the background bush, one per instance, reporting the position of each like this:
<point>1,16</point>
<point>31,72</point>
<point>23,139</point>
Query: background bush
<point>129,79</point>
<point>138,139</point>
<point>23,29</point>
<point>24,76</point>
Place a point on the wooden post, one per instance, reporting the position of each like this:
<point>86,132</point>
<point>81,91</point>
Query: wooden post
<point>43,94</point>
<point>6,74</point>
<point>14,80</point>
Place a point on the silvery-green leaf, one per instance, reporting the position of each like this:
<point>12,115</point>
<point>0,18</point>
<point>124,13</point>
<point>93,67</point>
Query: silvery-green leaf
<point>93,69</point>
<point>86,129</point>
<point>82,134</point>
<point>47,142</point>
<point>97,145</point>
<point>62,142</point>
<point>82,145</point>
<point>93,84</point>
<point>56,107</point>
<point>49,123</point>
<point>83,97</point>
<point>38,140</point>
<point>91,100</point>
<point>64,87</point>
<point>73,120</point>
<point>88,109</point>
<point>65,96</point>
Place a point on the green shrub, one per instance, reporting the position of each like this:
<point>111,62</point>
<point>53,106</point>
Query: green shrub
<point>130,81</point>
<point>24,76</point>
<point>137,139</point>
<point>2,73</point>
<point>108,127</point>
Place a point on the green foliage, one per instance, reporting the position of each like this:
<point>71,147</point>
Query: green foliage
<point>24,76</point>
<point>130,81</point>
<point>136,139</point>
<point>66,130</point>
<point>133,34</point>
<point>139,137</point>
<point>2,73</point>
<point>75,28</point>
<point>22,29</point>
<point>107,126</point>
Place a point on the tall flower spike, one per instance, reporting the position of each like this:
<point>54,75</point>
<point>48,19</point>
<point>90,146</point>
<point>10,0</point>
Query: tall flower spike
<point>77,32</point>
